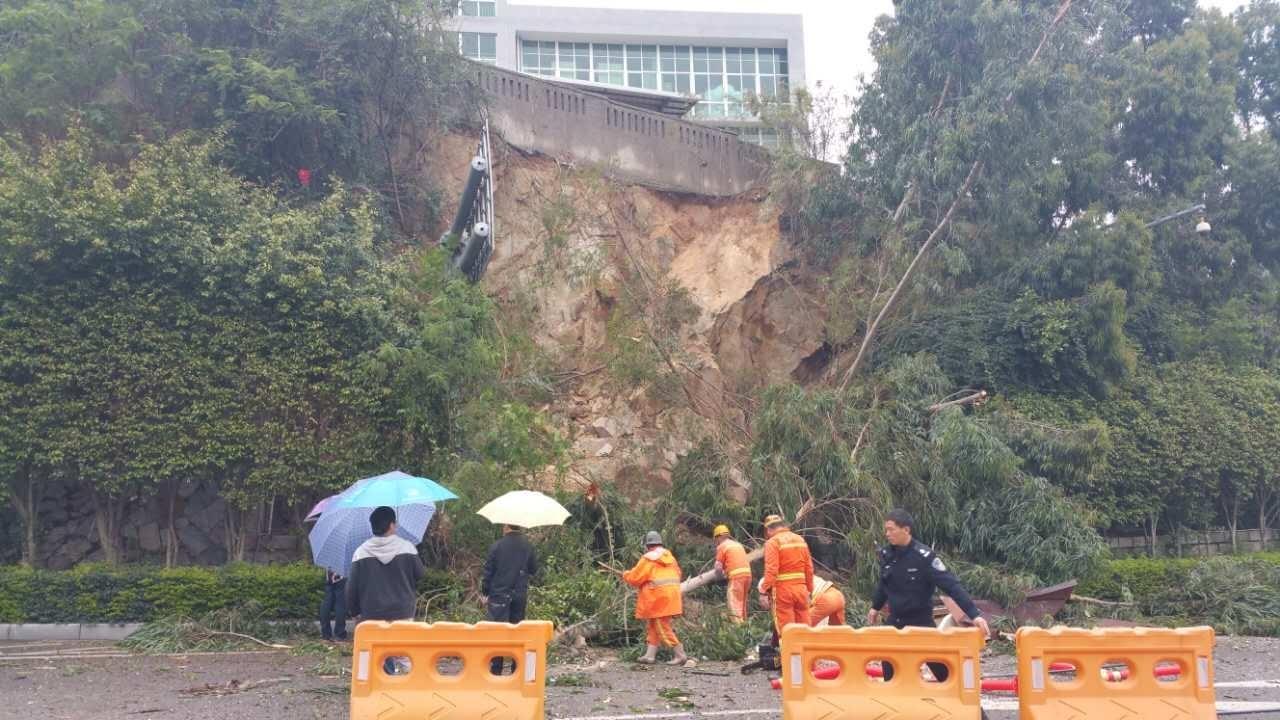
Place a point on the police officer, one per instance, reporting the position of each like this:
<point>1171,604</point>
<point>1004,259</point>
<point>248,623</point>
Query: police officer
<point>909,573</point>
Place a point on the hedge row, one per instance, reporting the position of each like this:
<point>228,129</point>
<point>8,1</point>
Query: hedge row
<point>1238,595</point>
<point>1150,577</point>
<point>101,593</point>
<point>138,593</point>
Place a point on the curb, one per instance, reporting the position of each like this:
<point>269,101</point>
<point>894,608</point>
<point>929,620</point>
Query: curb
<point>68,631</point>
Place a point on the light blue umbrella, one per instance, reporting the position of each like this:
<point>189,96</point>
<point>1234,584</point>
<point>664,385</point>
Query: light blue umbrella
<point>345,522</point>
<point>392,489</point>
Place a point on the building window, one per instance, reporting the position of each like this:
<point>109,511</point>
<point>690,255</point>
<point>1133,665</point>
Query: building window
<point>708,81</point>
<point>740,80</point>
<point>479,46</point>
<point>766,137</point>
<point>642,66</point>
<point>608,64</point>
<point>724,79</point>
<point>479,8</point>
<point>773,73</point>
<point>675,66</point>
<point>538,58</point>
<point>575,61</point>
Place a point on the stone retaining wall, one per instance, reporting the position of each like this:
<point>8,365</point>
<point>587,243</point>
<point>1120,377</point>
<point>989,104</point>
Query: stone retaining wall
<point>69,536</point>
<point>638,146</point>
<point>1201,543</point>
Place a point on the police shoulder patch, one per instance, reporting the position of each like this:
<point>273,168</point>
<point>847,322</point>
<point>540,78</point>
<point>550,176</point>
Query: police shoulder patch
<point>938,564</point>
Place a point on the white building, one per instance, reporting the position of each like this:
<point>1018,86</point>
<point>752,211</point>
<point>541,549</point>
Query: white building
<point>714,59</point>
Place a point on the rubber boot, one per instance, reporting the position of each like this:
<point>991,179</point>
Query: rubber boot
<point>680,657</point>
<point>650,655</point>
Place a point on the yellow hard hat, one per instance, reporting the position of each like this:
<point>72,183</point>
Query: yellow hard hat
<point>720,530</point>
<point>772,520</point>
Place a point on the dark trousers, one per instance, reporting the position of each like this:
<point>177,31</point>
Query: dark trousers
<point>939,670</point>
<point>508,609</point>
<point>334,606</point>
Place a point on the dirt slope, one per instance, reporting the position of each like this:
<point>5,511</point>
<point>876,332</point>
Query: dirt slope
<point>572,248</point>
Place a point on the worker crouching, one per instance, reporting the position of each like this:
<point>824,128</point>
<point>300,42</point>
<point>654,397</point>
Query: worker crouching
<point>657,577</point>
<point>826,604</point>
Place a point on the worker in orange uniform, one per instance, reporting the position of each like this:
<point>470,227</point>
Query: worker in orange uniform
<point>788,576</point>
<point>826,603</point>
<point>657,576</point>
<point>731,560</point>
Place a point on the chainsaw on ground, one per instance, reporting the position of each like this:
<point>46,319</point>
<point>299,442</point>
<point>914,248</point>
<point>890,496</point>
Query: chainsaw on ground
<point>768,658</point>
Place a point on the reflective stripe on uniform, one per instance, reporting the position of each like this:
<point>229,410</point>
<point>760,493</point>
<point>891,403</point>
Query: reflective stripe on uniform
<point>791,576</point>
<point>740,572</point>
<point>801,544</point>
<point>664,581</point>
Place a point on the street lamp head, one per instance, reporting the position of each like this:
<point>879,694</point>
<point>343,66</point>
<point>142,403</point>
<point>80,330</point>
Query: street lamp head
<point>1203,227</point>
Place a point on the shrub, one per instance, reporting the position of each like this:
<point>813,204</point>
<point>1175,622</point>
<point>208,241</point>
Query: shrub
<point>1237,594</point>
<point>101,593</point>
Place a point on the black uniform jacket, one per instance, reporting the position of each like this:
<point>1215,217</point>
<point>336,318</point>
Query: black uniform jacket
<point>908,577</point>
<point>512,561</point>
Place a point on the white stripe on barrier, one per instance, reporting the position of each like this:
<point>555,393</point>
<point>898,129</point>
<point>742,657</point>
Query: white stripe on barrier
<point>530,666</point>
<point>362,670</point>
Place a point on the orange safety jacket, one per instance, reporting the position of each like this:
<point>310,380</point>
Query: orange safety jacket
<point>732,559</point>
<point>786,561</point>
<point>657,575</point>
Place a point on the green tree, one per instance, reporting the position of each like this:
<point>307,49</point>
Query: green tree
<point>169,323</point>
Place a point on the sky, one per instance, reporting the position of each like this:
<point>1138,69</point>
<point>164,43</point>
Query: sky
<point>835,31</point>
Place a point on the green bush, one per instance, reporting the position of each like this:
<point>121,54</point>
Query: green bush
<point>101,593</point>
<point>1237,594</point>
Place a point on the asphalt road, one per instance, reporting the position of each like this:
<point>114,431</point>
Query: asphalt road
<point>73,681</point>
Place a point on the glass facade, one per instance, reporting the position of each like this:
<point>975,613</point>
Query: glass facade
<point>722,77</point>
<point>479,8</point>
<point>768,137</point>
<point>479,46</point>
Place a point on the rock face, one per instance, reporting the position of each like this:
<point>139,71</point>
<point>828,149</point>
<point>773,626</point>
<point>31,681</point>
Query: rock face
<point>574,249</point>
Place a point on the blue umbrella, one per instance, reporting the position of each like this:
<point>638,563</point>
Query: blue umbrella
<point>392,489</point>
<point>345,522</point>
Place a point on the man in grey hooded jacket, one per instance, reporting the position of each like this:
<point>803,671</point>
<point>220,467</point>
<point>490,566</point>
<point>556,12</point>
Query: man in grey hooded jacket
<point>385,570</point>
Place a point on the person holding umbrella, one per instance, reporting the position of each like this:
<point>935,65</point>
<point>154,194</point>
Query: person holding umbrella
<point>512,561</point>
<point>334,606</point>
<point>385,572</point>
<point>369,533</point>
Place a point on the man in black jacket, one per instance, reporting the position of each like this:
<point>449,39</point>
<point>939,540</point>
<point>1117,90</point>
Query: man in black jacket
<point>910,571</point>
<point>385,571</point>
<point>511,562</point>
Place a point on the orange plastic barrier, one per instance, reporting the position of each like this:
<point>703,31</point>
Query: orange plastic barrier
<point>1145,691</point>
<point>418,671</point>
<point>856,696</point>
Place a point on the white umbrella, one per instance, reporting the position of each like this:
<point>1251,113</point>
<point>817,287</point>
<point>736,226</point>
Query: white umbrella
<point>524,508</point>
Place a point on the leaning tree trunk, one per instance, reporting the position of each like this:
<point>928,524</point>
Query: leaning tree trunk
<point>713,575</point>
